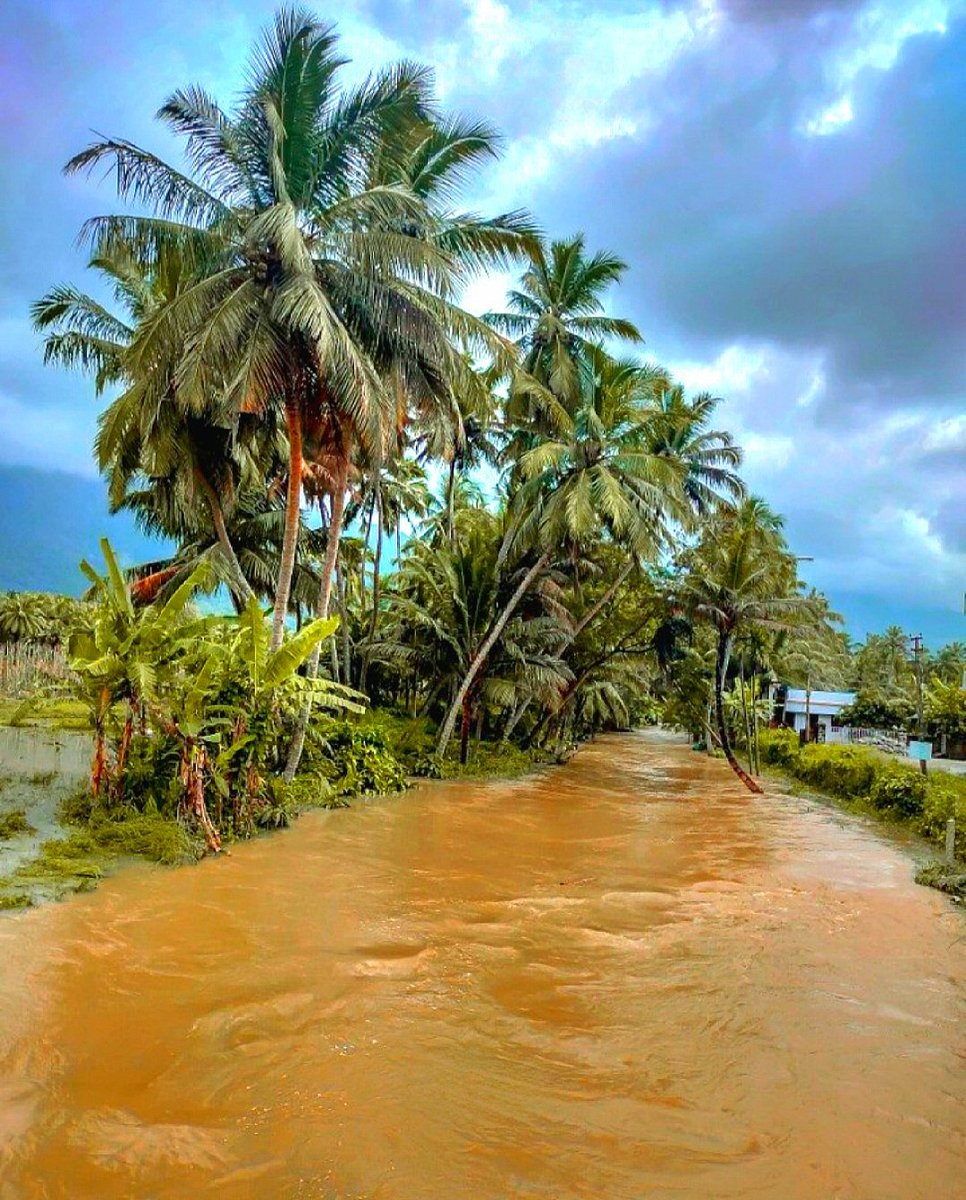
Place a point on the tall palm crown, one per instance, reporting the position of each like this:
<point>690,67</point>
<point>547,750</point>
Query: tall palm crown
<point>559,306</point>
<point>742,571</point>
<point>322,279</point>
<point>741,577</point>
<point>556,318</point>
<point>710,455</point>
<point>600,475</point>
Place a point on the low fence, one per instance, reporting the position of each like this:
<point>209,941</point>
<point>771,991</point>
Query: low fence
<point>892,741</point>
<point>26,667</point>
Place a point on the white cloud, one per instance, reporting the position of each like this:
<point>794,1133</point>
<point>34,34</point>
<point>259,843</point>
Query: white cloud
<point>487,293</point>
<point>495,32</point>
<point>832,118</point>
<point>767,454</point>
<point>947,434</point>
<point>879,34</point>
<point>734,370</point>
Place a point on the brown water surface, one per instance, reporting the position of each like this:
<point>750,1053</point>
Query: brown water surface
<point>624,979</point>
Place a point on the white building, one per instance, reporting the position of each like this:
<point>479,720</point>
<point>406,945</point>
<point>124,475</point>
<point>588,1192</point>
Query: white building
<point>796,708</point>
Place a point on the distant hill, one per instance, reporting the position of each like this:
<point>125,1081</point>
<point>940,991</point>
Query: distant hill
<point>50,520</point>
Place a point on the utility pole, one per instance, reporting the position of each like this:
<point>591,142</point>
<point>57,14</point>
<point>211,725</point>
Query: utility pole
<point>808,703</point>
<point>917,655</point>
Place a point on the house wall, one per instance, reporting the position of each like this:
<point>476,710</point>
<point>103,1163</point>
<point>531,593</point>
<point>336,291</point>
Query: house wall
<point>825,732</point>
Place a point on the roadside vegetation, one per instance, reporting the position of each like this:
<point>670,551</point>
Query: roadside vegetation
<point>884,787</point>
<point>402,540</point>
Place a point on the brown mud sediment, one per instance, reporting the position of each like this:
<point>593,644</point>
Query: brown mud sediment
<point>623,978</point>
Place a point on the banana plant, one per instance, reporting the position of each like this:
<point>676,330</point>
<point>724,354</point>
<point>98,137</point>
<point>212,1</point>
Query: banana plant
<point>119,652</point>
<point>224,714</point>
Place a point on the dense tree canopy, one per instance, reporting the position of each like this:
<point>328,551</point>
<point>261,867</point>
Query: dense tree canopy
<point>522,530</point>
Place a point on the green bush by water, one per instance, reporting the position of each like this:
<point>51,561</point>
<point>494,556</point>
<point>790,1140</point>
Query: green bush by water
<point>896,789</point>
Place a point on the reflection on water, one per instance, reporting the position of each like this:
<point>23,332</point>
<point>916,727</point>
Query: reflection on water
<point>623,979</point>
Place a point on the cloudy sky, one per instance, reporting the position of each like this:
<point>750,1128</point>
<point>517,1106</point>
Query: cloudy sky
<point>785,178</point>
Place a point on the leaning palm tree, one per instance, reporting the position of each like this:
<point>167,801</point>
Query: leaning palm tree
<point>442,607</point>
<point>318,291</point>
<point>741,577</point>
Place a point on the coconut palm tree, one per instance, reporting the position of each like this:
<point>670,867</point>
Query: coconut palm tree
<point>318,288</point>
<point>442,607</point>
<point>23,617</point>
<point>194,458</point>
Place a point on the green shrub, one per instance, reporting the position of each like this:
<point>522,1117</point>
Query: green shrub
<point>63,860</point>
<point>900,788</point>
<point>944,879</point>
<point>409,738</point>
<point>778,746</point>
<point>76,808</point>
<point>844,771</point>
<point>492,760</point>
<point>945,797</point>
<point>891,786</point>
<point>284,801</point>
<point>428,766</point>
<point>355,759</point>
<point>145,835</point>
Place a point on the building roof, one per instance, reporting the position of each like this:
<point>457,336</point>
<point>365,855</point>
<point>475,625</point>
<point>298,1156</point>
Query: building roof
<point>828,703</point>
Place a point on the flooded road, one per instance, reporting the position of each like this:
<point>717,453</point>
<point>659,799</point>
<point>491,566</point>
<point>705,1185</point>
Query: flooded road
<point>625,978</point>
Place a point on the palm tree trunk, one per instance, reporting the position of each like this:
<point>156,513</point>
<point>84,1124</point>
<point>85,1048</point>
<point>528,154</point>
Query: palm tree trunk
<point>446,732</point>
<point>325,592</point>
<point>293,421</point>
<point>547,715</point>
<point>586,619</point>
<point>747,722</point>
<point>754,724</point>
<point>467,712</point>
<point>343,621</point>
<point>362,568</point>
<point>514,720</point>
<point>720,674</point>
<point>241,586</point>
<point>374,619</point>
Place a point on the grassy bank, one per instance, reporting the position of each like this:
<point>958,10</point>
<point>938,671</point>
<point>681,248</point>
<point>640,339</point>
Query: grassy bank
<point>54,841</point>
<point>46,712</point>
<point>885,788</point>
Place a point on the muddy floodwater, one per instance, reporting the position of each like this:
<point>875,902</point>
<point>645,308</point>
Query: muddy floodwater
<point>625,979</point>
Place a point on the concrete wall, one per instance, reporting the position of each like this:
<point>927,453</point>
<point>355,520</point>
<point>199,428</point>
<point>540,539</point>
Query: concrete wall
<point>26,751</point>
